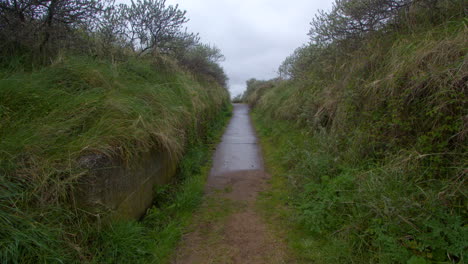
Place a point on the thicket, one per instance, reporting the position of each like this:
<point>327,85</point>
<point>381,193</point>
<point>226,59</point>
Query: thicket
<point>88,77</point>
<point>376,158</point>
<point>34,32</point>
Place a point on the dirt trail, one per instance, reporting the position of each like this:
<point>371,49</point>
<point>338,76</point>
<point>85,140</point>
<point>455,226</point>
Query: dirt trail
<point>228,229</point>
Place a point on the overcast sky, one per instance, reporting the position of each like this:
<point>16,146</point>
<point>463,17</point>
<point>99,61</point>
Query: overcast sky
<point>255,36</point>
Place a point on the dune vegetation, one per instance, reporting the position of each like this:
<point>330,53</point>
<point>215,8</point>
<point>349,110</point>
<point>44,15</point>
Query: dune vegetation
<point>92,77</point>
<point>365,133</point>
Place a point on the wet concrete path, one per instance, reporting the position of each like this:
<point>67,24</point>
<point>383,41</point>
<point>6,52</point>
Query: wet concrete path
<point>228,228</point>
<point>238,149</point>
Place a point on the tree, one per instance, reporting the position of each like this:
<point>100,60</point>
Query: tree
<point>152,24</point>
<point>204,59</point>
<point>353,19</point>
<point>112,27</point>
<point>32,24</point>
<point>60,15</point>
<point>18,23</point>
<point>301,62</point>
<point>38,29</point>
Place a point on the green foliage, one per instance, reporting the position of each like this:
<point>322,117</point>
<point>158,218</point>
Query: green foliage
<point>203,59</point>
<point>150,24</point>
<point>77,106</point>
<point>237,99</point>
<point>156,236</point>
<point>363,211</point>
<point>255,89</point>
<point>91,77</point>
<point>22,238</point>
<point>36,33</point>
<point>371,138</point>
<point>351,19</point>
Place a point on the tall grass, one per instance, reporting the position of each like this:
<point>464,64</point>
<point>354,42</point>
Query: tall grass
<point>372,143</point>
<point>77,106</point>
<point>154,239</point>
<point>360,210</point>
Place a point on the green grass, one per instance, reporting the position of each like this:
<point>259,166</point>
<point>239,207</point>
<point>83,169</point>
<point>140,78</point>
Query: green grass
<point>367,147</point>
<point>78,106</point>
<point>154,239</point>
<point>347,211</point>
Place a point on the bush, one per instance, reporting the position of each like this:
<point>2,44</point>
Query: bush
<point>37,32</point>
<point>203,59</point>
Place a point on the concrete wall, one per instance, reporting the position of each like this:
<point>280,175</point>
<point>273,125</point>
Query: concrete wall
<point>124,191</point>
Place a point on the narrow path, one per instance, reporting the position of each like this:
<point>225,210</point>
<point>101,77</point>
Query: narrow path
<point>228,229</point>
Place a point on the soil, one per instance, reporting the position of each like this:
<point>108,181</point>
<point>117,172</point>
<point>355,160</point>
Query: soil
<point>228,228</point>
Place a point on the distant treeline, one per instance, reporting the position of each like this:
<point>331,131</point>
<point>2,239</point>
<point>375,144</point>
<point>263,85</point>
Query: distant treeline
<point>34,32</point>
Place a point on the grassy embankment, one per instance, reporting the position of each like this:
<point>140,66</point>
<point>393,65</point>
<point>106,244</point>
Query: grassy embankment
<point>368,148</point>
<point>76,106</point>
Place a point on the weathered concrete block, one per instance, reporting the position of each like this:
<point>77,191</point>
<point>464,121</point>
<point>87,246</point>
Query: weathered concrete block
<point>125,191</point>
